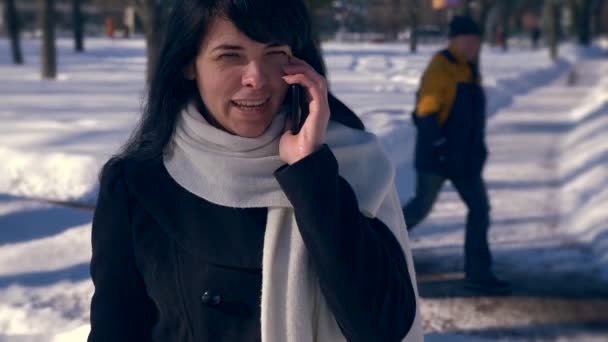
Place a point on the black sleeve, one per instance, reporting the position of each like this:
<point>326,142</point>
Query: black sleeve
<point>430,132</point>
<point>361,267</point>
<point>120,308</point>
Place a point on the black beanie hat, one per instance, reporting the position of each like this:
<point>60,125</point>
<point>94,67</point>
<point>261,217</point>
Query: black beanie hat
<point>462,25</point>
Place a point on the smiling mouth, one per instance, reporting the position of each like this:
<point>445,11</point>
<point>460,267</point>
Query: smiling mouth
<point>250,105</point>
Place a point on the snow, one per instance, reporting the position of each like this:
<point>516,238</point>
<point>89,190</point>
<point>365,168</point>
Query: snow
<point>584,173</point>
<point>44,256</point>
<point>547,175</point>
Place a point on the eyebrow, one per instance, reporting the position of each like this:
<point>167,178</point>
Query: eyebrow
<point>227,47</point>
<point>238,47</point>
<point>273,45</point>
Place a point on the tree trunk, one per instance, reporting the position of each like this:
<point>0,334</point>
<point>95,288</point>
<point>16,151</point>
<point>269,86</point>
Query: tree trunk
<point>507,8</point>
<point>553,27</point>
<point>413,11</point>
<point>77,23</point>
<point>598,13</point>
<point>395,19</point>
<point>313,6</point>
<point>12,26</point>
<point>584,23</point>
<point>151,14</point>
<point>574,17</point>
<point>48,52</point>
<point>484,11</point>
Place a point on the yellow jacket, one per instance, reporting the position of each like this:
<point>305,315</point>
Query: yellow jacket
<point>450,118</point>
<point>439,85</point>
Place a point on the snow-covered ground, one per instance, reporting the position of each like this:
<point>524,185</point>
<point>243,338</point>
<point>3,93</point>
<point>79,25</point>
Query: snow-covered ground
<point>547,178</point>
<point>583,170</point>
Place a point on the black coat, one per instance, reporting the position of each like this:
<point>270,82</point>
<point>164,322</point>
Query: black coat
<point>170,266</point>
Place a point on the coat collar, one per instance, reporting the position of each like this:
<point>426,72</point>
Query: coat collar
<point>221,235</point>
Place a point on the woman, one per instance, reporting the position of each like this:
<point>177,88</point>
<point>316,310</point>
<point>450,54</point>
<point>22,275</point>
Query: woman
<point>217,223</point>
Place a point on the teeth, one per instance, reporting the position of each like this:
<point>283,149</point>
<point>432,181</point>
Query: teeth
<point>249,103</point>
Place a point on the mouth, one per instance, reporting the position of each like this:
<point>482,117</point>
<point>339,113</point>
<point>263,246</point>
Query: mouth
<point>250,105</point>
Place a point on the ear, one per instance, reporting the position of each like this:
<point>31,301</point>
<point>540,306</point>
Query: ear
<point>190,72</point>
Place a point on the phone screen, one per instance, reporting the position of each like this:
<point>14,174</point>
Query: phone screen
<point>295,110</point>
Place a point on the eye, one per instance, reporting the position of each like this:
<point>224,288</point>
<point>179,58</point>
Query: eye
<point>228,55</point>
<point>278,53</point>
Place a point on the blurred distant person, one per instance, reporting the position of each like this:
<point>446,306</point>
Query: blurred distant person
<point>500,38</point>
<point>109,26</point>
<point>535,36</point>
<point>450,120</point>
<point>129,21</point>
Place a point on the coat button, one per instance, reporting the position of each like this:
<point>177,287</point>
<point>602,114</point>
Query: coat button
<point>211,297</point>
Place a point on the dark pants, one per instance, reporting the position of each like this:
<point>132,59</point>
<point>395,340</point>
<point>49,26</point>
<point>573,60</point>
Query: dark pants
<point>473,192</point>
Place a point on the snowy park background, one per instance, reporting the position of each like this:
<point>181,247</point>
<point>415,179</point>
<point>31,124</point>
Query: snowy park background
<point>547,176</point>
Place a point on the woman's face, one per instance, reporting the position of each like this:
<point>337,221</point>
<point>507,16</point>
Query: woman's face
<point>239,80</point>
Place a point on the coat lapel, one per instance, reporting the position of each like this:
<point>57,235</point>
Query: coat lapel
<point>221,235</point>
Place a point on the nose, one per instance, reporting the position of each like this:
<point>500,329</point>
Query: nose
<point>255,75</point>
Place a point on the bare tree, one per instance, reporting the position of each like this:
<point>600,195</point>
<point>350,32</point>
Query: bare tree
<point>574,16</point>
<point>485,6</point>
<point>48,54</point>
<point>581,13</point>
<point>13,26</point>
<point>394,8</point>
<point>78,23</point>
<point>151,14</point>
<point>506,10</point>
<point>599,11</point>
<point>413,11</point>
<point>552,14</point>
<point>313,7</point>
<point>584,22</point>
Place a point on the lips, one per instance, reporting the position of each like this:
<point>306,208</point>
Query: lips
<point>250,104</point>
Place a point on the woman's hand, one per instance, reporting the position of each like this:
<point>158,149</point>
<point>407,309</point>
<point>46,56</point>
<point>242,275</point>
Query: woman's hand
<point>312,135</point>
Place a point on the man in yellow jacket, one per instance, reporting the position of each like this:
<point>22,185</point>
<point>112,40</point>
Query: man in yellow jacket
<point>450,145</point>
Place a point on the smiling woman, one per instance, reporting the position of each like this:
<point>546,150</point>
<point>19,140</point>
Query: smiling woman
<point>218,223</point>
<point>239,80</point>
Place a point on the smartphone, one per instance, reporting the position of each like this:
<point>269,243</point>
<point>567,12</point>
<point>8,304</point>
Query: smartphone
<point>295,108</point>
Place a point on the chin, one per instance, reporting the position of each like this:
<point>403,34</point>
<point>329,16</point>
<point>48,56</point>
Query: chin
<point>250,132</point>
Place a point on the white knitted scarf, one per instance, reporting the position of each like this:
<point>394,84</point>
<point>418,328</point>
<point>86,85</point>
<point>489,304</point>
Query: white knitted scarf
<point>234,171</point>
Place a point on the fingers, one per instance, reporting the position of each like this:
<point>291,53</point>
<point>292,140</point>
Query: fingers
<point>318,104</point>
<point>298,66</point>
<point>307,70</point>
<point>316,92</point>
<point>315,85</point>
<point>312,133</point>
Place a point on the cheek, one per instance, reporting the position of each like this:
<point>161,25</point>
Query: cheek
<point>216,88</point>
<point>211,85</point>
<point>279,84</point>
<point>276,77</point>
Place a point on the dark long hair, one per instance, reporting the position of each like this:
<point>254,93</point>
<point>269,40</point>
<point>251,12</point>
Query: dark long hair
<point>169,91</point>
